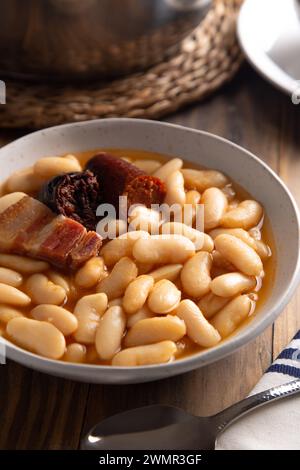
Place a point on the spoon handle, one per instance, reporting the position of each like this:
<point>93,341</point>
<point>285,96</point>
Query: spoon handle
<point>229,415</point>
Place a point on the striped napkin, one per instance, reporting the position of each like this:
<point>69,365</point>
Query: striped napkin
<point>275,426</point>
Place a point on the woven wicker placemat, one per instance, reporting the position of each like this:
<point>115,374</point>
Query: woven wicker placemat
<point>208,58</point>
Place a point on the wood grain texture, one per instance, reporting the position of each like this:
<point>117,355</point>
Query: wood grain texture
<point>42,412</point>
<point>39,412</point>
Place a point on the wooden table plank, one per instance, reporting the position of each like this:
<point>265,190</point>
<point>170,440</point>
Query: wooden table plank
<point>39,411</point>
<point>289,322</point>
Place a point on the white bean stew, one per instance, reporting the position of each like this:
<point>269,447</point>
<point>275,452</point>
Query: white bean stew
<point>156,293</point>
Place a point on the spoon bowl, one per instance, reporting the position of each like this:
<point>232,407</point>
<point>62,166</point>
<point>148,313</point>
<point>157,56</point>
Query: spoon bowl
<point>151,427</point>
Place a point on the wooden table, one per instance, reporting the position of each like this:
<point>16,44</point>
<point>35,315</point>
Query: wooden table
<point>42,412</point>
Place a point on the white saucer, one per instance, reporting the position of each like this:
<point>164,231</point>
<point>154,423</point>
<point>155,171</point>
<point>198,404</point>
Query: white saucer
<point>269,33</point>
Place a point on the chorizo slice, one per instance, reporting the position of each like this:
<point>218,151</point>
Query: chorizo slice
<point>118,177</point>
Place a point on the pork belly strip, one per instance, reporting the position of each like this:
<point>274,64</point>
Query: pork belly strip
<point>29,228</point>
<point>17,219</point>
<point>63,239</point>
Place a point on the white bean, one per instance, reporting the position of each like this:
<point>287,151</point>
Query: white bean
<point>169,167</point>
<point>148,166</point>
<point>163,249</point>
<point>145,355</point>
<point>210,304</point>
<point>24,180</point>
<point>59,280</point>
<point>145,219</point>
<point>12,296</point>
<point>136,293</point>
<point>154,330</point>
<point>133,235</point>
<point>92,272</point>
<point>198,328</point>
<point>192,197</point>
<point>112,228</point>
<point>75,352</point>
<point>246,215</point>
<point>204,179</point>
<point>71,157</point>
<point>9,200</point>
<point>10,277</point>
<point>239,254</point>
<point>123,272</point>
<point>23,264</point>
<point>88,312</point>
<point>64,320</point>
<point>231,284</point>
<point>190,209</point>
<point>208,243</point>
<point>49,167</point>
<point>44,291</point>
<point>141,314</point>
<point>263,250</point>
<point>175,193</point>
<point>215,205</point>
<point>195,275</point>
<point>122,246</point>
<point>110,333</point>
<point>178,228</point>
<point>2,189</point>
<point>227,319</point>
<point>164,297</point>
<point>37,336</point>
<point>8,313</point>
<point>235,232</point>
<point>170,272</point>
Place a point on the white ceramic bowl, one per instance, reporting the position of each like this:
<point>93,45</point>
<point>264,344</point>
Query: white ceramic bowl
<point>195,146</point>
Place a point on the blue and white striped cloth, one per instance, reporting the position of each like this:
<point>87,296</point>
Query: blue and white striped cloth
<point>275,426</point>
<point>288,361</point>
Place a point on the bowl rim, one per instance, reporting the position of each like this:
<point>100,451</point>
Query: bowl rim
<point>190,362</point>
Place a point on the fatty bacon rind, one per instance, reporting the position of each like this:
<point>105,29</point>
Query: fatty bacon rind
<point>118,177</point>
<point>30,228</point>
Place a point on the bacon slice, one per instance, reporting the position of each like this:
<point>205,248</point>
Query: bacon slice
<point>64,238</point>
<point>28,227</point>
<point>17,219</point>
<point>85,249</point>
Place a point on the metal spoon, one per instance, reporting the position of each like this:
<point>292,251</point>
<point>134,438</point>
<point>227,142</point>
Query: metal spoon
<point>166,427</point>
